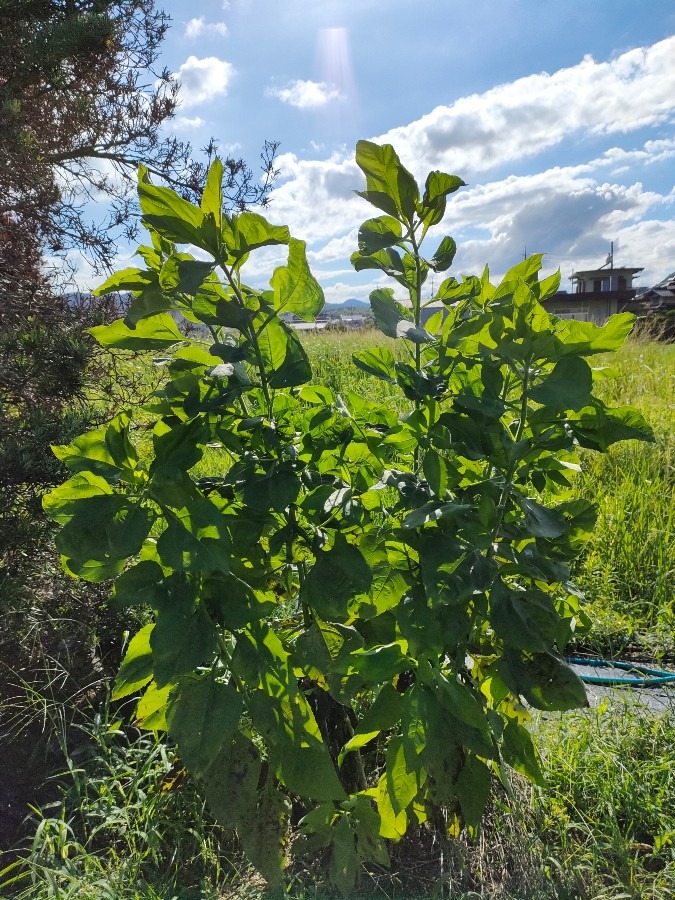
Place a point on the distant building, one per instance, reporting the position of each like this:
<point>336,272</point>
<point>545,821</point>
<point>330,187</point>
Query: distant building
<point>661,297</point>
<point>598,294</point>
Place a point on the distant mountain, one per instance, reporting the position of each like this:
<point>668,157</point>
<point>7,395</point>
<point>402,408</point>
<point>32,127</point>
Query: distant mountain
<point>351,304</point>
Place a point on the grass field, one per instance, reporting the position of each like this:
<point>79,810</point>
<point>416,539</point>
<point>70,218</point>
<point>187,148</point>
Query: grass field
<point>125,822</point>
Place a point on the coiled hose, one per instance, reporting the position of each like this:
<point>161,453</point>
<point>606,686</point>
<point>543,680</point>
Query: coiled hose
<point>645,676</point>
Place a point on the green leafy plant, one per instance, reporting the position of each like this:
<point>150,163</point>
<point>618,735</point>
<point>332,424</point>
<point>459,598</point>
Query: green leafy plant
<point>350,605</point>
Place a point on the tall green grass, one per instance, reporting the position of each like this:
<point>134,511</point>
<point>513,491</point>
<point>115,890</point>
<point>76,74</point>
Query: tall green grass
<point>628,568</point>
<point>330,353</point>
<point>608,814</point>
<point>130,824</point>
<point>127,824</point>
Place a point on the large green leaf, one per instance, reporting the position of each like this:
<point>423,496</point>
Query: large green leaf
<point>307,771</point>
<point>389,581</point>
<point>156,333</point>
<point>393,825</point>
<point>443,257</point>
<point>182,273</point>
<point>295,288</point>
<point>598,426</point>
<point>179,444</point>
<point>403,783</point>
<point>393,319</point>
<point>140,585</point>
<point>519,752</point>
<point>250,231</point>
<point>202,716</point>
<point>150,302</point>
<point>567,386</point>
<point>436,473</point>
<point>544,680</point>
<point>281,713</point>
<point>379,233</point>
<point>338,574</point>
<point>461,701</point>
<point>181,640</point>
<point>378,361</point>
<point>473,790</point>
<point>131,279</point>
<point>234,794</point>
<point>213,305</point>
<point>212,195</point>
<point>235,602</point>
<point>151,708</point>
<point>585,338</point>
<point>344,860</point>
<point>384,713</point>
<point>389,185</point>
<point>440,556</point>
<point>136,669</point>
<point>380,663</point>
<point>285,359</point>
<point>436,189</point>
<point>542,521</point>
<point>65,501</point>
<point>527,620</point>
<point>276,489</point>
<point>388,261</point>
<point>527,271</point>
<point>170,215</point>
<point>102,535</point>
<point>231,781</point>
<point>433,512</point>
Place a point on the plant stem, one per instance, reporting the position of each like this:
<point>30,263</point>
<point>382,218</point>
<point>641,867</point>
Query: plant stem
<point>416,298</point>
<point>510,472</point>
<point>306,611</point>
<point>252,337</point>
<point>362,782</point>
<point>224,652</point>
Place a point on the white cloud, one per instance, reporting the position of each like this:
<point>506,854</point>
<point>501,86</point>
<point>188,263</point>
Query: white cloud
<point>316,198</point>
<point>197,27</point>
<point>520,119</point>
<point>570,212</point>
<point>349,290</point>
<point>229,149</point>
<point>338,248</point>
<point>203,79</point>
<point>305,94</point>
<point>183,123</point>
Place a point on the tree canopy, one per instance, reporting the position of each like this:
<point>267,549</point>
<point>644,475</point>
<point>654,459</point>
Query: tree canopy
<point>82,103</point>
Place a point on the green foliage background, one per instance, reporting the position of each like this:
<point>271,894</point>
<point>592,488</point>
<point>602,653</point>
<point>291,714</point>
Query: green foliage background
<point>351,604</point>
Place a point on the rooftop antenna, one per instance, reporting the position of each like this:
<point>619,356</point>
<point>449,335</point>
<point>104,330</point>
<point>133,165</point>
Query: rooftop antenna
<point>610,257</point>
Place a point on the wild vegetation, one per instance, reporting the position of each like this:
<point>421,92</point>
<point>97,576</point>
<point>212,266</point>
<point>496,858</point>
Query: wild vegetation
<point>126,821</point>
<point>350,604</point>
<point>333,568</point>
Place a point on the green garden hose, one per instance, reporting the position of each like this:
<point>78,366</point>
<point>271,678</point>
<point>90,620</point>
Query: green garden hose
<point>645,676</point>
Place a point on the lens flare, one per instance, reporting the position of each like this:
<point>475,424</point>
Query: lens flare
<point>334,64</point>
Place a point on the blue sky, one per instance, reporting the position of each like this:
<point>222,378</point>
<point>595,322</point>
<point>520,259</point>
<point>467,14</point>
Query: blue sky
<point>560,117</point>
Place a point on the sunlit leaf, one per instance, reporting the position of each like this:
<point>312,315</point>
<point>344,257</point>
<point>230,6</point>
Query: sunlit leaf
<point>156,333</point>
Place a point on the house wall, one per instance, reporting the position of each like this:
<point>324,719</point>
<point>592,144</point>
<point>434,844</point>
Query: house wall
<point>584,309</point>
